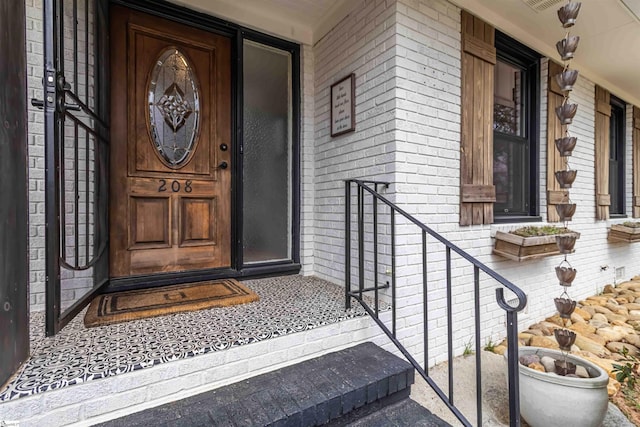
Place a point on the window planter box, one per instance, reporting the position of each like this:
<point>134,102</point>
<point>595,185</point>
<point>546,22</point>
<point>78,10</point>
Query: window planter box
<point>518,248</point>
<point>622,233</point>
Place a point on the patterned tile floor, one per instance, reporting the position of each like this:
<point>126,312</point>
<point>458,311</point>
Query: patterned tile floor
<point>77,354</point>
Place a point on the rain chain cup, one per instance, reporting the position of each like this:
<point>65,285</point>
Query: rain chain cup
<point>552,391</point>
<point>565,113</point>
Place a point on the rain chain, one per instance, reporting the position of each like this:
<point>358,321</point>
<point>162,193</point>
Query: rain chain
<point>565,145</point>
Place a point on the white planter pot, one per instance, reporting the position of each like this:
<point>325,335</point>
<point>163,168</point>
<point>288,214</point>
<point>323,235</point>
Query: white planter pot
<point>550,400</point>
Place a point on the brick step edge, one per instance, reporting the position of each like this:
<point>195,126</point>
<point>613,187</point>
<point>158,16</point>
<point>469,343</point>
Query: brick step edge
<point>405,413</point>
<point>309,393</point>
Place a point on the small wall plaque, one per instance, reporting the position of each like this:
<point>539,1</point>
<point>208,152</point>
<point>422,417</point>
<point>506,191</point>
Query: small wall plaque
<point>343,109</point>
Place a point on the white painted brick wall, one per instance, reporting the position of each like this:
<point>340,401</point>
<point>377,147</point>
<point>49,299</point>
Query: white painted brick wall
<point>307,193</point>
<point>35,64</point>
<point>419,154</point>
<point>362,43</point>
<point>427,171</point>
<point>628,161</point>
<point>542,181</point>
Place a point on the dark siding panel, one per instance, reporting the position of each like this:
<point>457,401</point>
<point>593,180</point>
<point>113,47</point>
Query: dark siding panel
<point>14,230</point>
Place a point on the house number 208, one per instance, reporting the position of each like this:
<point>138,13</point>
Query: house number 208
<point>175,186</point>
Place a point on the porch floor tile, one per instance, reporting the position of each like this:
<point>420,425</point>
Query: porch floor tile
<point>77,354</point>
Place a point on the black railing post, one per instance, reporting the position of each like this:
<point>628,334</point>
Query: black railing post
<point>425,302</point>
<point>449,326</point>
<point>393,272</point>
<point>512,352</point>
<point>360,241</point>
<point>347,244</point>
<point>476,298</point>
<point>375,250</point>
<point>514,368</point>
<point>76,194</point>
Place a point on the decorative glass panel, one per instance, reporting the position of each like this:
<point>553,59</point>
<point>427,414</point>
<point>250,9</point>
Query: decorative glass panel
<point>174,107</point>
<point>267,154</point>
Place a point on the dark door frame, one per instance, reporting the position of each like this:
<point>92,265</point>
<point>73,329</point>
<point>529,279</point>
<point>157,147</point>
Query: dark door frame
<point>237,34</point>
<point>14,211</point>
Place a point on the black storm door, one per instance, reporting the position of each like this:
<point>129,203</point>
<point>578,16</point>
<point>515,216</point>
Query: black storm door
<point>76,155</point>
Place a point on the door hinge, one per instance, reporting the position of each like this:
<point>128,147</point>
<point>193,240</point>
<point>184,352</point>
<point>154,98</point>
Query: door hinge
<point>63,87</point>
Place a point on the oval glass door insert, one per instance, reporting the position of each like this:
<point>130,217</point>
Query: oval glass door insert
<point>174,107</point>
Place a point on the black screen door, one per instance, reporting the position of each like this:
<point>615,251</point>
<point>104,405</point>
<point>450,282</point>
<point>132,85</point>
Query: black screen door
<point>76,155</point>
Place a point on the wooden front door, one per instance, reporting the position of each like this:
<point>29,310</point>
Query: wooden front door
<point>171,147</point>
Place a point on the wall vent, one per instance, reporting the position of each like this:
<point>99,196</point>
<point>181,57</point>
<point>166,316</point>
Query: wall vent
<point>620,273</point>
<point>540,5</point>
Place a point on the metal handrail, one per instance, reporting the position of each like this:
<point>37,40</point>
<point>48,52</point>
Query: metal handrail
<point>511,311</point>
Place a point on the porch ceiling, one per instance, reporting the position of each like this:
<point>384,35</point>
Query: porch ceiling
<point>609,37</point>
<point>303,21</point>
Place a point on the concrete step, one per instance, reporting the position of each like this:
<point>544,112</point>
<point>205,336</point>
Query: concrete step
<point>406,413</point>
<point>363,378</point>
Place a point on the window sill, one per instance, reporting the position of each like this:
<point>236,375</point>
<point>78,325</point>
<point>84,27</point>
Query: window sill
<point>516,219</point>
<point>617,218</point>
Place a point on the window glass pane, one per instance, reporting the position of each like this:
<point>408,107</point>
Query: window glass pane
<point>616,159</point>
<point>508,107</point>
<point>615,123</point>
<point>266,154</point>
<point>515,137</point>
<point>614,188</point>
<point>509,172</point>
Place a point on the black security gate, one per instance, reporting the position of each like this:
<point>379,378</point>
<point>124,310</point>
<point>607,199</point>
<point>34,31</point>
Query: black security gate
<point>76,155</point>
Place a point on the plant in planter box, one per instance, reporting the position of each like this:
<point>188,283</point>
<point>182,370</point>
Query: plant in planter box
<point>628,231</point>
<point>543,230</point>
<point>532,242</point>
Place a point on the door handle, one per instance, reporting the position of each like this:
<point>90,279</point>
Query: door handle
<point>223,165</point>
<point>38,103</point>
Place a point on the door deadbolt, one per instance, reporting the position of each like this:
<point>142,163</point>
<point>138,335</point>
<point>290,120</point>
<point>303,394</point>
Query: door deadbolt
<point>223,147</point>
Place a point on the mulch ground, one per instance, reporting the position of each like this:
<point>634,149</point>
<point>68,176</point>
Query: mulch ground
<point>627,401</point>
